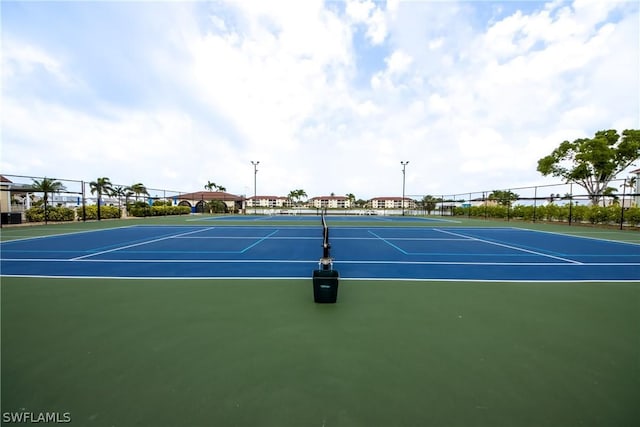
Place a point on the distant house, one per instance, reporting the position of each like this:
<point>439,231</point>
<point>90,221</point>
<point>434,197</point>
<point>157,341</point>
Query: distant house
<point>267,202</point>
<point>636,190</point>
<point>392,203</point>
<point>14,197</point>
<point>198,200</point>
<point>340,202</point>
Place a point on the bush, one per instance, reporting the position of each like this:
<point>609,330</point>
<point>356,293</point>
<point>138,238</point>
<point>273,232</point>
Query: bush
<point>106,212</point>
<point>140,211</point>
<point>553,212</point>
<point>632,216</point>
<point>56,214</point>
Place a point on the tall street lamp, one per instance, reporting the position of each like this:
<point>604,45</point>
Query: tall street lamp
<point>255,177</point>
<point>404,165</point>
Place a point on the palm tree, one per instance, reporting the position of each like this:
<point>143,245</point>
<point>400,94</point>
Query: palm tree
<point>293,194</point>
<point>138,189</point>
<point>352,199</point>
<point>119,192</point>
<point>610,192</point>
<point>46,186</point>
<point>101,186</point>
<point>629,183</point>
<point>127,193</point>
<point>429,204</point>
<point>213,186</point>
<point>301,194</point>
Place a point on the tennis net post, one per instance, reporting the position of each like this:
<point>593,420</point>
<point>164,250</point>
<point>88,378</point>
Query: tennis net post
<point>325,278</point>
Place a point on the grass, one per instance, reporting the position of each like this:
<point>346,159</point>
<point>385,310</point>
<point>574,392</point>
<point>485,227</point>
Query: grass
<point>261,353</point>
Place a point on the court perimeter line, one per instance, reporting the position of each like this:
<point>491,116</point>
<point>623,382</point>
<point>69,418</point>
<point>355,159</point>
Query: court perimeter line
<point>573,234</point>
<point>315,261</point>
<point>511,247</point>
<point>138,244</point>
<point>46,236</point>
<point>342,279</point>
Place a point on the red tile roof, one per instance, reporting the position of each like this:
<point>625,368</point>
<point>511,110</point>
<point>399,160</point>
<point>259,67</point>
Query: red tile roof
<point>209,195</point>
<point>267,197</point>
<point>391,198</point>
<point>329,198</point>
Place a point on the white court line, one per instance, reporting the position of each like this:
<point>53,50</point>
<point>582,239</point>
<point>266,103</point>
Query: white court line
<point>419,239</point>
<point>315,261</point>
<point>511,247</point>
<point>47,236</point>
<point>139,244</point>
<point>342,278</point>
<point>597,239</point>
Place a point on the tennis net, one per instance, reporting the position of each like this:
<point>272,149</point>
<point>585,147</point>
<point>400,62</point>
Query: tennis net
<point>325,236</point>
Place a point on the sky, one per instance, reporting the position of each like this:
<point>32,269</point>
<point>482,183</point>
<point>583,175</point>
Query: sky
<point>329,97</point>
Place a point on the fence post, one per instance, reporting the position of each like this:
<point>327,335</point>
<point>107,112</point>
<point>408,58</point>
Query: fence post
<point>570,202</point>
<point>624,194</point>
<point>535,202</point>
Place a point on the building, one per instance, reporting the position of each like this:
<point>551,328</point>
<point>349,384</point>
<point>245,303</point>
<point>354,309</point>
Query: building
<point>636,189</point>
<point>197,200</point>
<point>14,197</point>
<point>267,202</point>
<point>335,202</point>
<point>392,203</point>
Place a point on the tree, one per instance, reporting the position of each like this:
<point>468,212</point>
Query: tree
<point>630,183</point>
<point>101,186</point>
<point>352,198</point>
<point>429,203</point>
<point>300,195</point>
<point>138,189</point>
<point>46,186</point>
<point>120,192</point>
<point>593,162</point>
<point>504,198</point>
<point>610,192</point>
<point>293,194</point>
<point>296,195</point>
<point>213,186</point>
<point>217,206</point>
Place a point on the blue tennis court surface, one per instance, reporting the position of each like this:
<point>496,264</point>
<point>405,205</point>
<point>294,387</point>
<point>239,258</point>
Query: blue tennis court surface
<point>424,253</point>
<point>330,218</point>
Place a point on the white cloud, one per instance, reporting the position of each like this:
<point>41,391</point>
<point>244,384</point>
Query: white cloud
<point>468,104</point>
<point>436,43</point>
<point>369,14</point>
<point>23,59</point>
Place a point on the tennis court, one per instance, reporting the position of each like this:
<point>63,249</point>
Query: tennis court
<point>211,321</point>
<point>292,251</point>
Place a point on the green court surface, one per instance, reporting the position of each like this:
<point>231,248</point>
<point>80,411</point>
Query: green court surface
<point>262,353</point>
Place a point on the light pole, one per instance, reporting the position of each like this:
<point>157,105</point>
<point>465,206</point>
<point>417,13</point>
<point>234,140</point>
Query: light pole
<point>404,165</point>
<point>255,177</point>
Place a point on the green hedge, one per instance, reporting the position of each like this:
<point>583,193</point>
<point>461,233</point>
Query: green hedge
<point>553,212</point>
<point>106,212</point>
<point>147,210</point>
<point>54,213</point>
